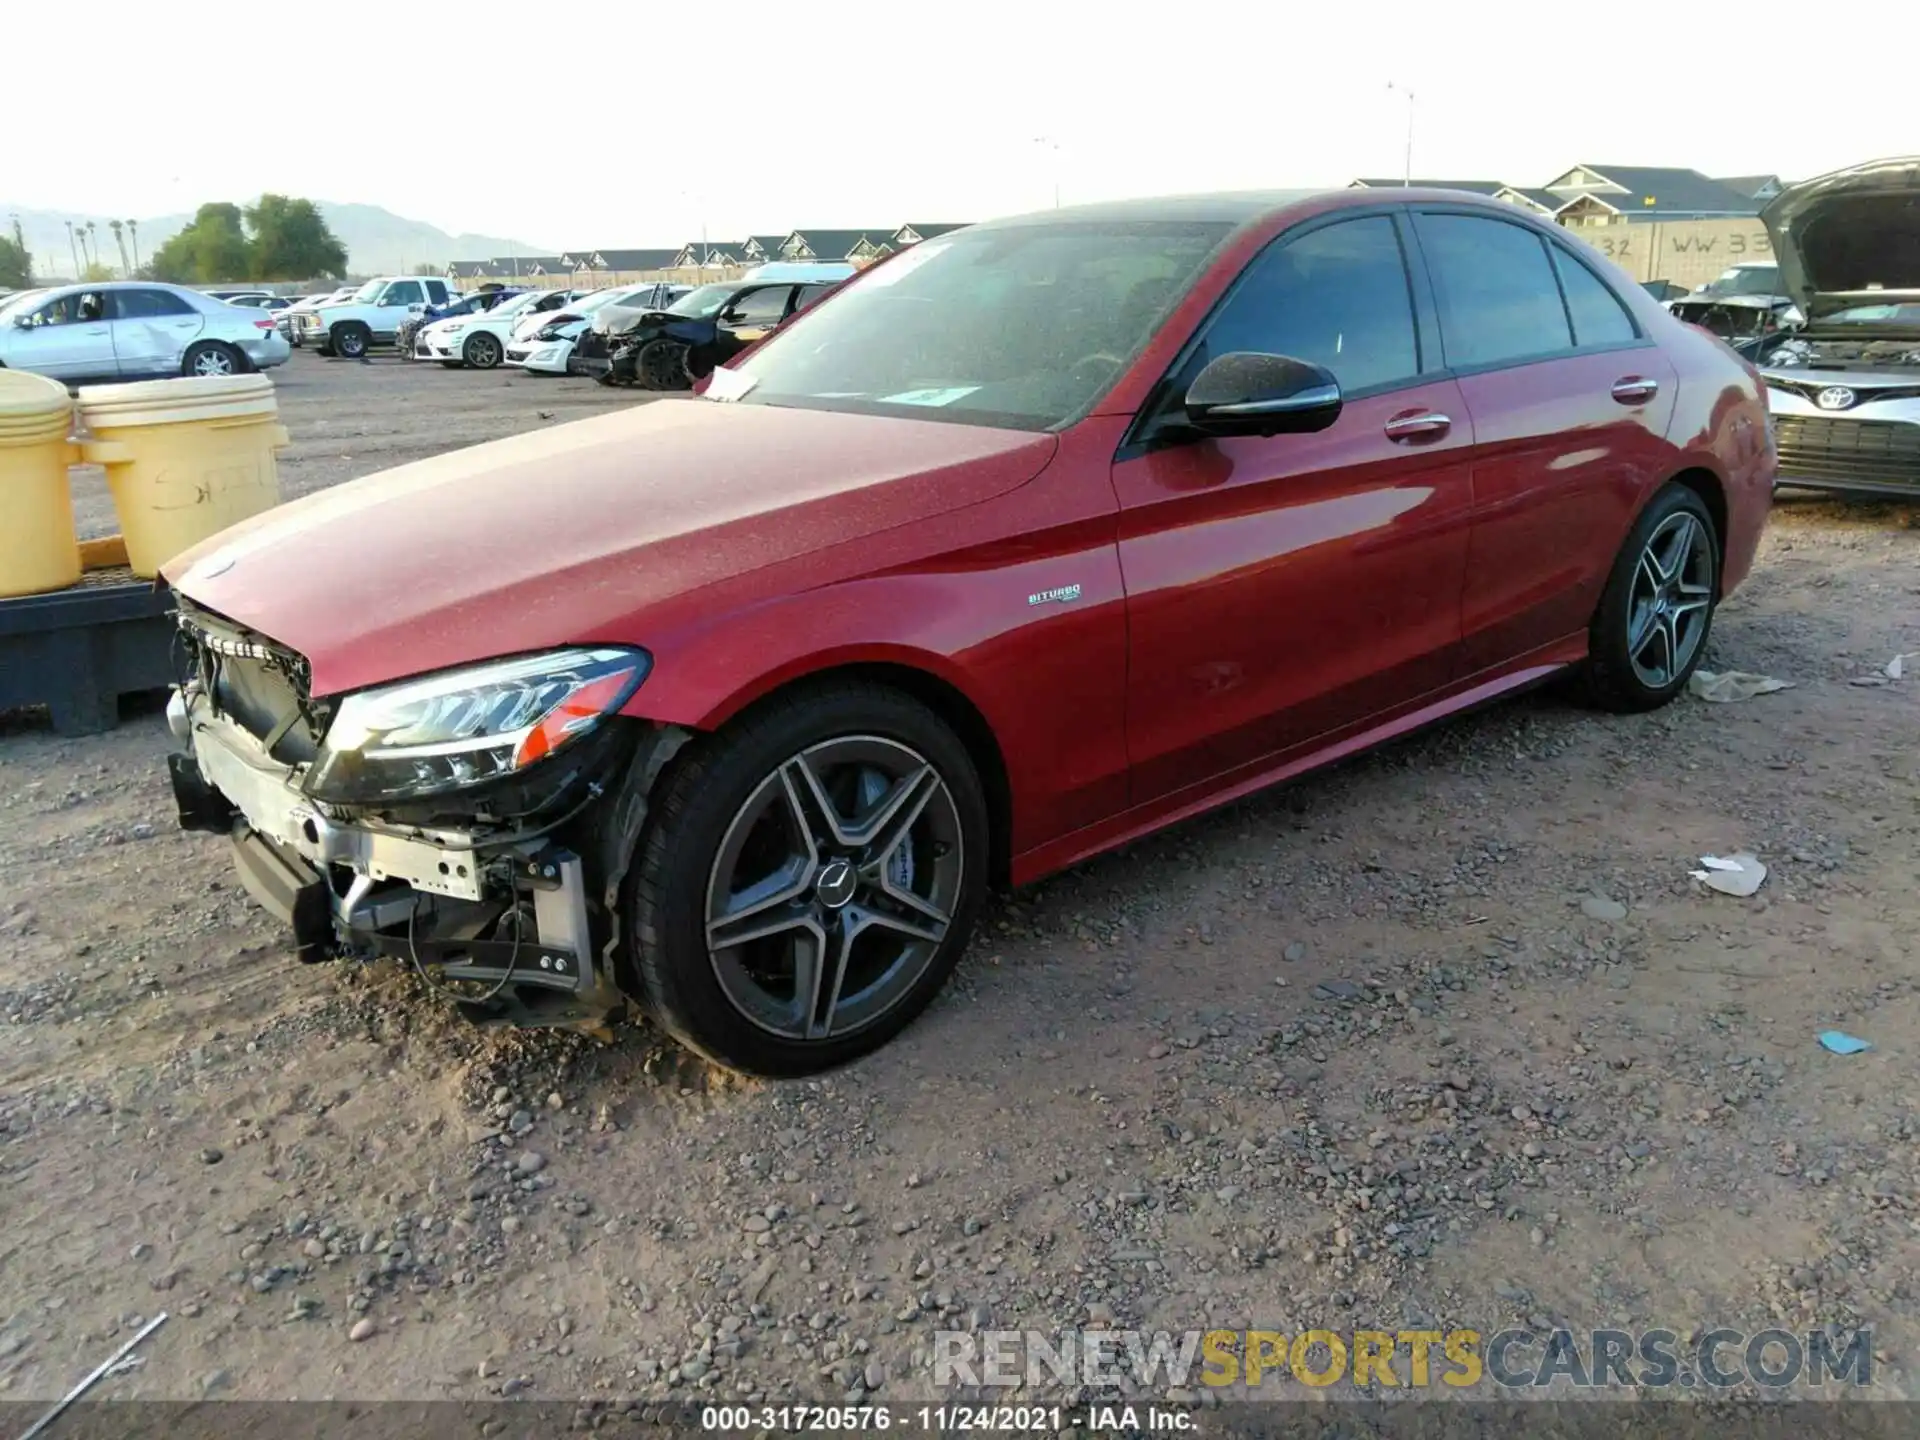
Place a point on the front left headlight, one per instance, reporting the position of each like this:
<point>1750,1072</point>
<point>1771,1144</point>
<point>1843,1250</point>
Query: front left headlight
<point>469,726</point>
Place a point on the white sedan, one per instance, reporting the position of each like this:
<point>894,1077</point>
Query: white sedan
<point>544,343</point>
<point>481,340</point>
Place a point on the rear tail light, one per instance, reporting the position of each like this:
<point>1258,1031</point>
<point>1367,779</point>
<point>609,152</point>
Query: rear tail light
<point>265,324</point>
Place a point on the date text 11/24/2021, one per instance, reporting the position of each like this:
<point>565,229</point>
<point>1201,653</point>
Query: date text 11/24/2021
<point>941,1419</point>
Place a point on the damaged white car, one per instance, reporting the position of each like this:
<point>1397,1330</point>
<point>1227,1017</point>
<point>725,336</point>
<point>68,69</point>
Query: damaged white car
<point>1844,387</point>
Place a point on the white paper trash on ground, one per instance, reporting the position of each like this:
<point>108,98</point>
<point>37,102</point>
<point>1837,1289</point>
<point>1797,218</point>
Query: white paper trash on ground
<point>1724,687</point>
<point>1738,875</point>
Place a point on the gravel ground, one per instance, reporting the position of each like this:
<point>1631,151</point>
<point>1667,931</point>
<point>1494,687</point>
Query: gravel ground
<point>1444,1036</point>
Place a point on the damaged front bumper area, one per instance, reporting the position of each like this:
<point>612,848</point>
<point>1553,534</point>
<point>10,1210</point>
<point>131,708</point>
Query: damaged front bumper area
<point>504,896</point>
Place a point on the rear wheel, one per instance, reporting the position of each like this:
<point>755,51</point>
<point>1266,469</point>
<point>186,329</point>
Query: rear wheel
<point>1656,613</point>
<point>808,879</point>
<point>212,357</point>
<point>351,340</point>
<point>482,351</point>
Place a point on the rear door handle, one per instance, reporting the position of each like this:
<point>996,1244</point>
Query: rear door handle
<point>1635,390</point>
<point>1418,425</point>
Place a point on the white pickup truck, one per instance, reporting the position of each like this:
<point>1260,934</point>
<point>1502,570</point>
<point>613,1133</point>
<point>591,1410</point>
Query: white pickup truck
<point>349,328</point>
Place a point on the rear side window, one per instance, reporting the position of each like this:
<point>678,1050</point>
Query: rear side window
<point>437,290</point>
<point>810,294</point>
<point>1336,296</point>
<point>1598,316</point>
<point>1495,290</point>
<point>148,304</point>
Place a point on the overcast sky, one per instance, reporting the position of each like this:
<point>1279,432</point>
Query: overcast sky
<point>771,117</point>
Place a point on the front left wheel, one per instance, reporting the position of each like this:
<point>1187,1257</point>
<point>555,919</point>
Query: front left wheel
<point>482,351</point>
<point>808,879</point>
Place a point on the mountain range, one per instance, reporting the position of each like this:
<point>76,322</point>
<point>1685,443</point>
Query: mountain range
<point>378,241</point>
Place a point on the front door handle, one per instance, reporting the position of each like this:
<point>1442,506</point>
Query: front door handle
<point>1418,425</point>
<point>1635,390</point>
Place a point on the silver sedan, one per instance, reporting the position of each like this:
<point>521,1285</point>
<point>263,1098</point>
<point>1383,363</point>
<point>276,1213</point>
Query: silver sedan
<point>134,330</point>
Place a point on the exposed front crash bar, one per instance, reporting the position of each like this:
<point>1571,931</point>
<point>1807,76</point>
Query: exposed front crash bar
<point>514,918</point>
<point>266,793</point>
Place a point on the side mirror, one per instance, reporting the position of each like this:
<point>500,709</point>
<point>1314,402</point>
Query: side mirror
<point>1251,394</point>
<point>23,322</point>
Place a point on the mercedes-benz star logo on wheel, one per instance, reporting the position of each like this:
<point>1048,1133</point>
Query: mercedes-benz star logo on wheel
<point>1834,397</point>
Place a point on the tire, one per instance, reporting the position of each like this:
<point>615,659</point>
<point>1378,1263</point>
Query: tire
<point>350,340</point>
<point>605,377</point>
<point>483,351</point>
<point>725,809</point>
<point>1656,614</point>
<point>661,365</point>
<point>212,357</point>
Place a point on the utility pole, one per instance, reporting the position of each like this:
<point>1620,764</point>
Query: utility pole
<point>1047,142</point>
<point>1407,174</point>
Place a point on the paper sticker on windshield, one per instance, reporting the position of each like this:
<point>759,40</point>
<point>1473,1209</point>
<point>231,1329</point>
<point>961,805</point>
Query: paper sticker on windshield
<point>929,397</point>
<point>728,384</point>
<point>900,266</point>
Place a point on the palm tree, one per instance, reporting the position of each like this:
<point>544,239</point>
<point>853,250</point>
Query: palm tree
<point>93,242</point>
<point>120,243</point>
<point>133,229</point>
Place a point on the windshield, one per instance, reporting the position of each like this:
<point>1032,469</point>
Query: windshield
<point>705,301</point>
<point>13,304</point>
<point>368,291</point>
<point>587,304</point>
<point>1747,280</point>
<point>1019,326</point>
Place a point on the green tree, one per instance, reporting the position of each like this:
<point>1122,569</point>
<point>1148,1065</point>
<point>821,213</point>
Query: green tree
<point>291,241</point>
<point>214,247</point>
<point>97,271</point>
<point>16,266</point>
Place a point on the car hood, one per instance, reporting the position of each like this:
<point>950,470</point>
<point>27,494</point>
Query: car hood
<point>603,530</point>
<point>1849,238</point>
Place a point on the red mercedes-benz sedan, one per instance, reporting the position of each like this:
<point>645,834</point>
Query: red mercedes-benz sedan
<point>1045,534</point>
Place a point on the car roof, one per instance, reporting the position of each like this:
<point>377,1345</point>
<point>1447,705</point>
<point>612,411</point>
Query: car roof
<point>1237,208</point>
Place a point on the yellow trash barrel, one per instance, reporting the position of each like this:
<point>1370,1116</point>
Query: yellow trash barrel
<point>37,549</point>
<point>184,458</point>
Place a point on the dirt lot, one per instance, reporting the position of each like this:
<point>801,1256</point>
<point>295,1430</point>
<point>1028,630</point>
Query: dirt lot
<point>1443,1037</point>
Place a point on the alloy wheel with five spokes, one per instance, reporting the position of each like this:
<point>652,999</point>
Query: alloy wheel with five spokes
<point>834,886</point>
<point>1671,596</point>
<point>1650,629</point>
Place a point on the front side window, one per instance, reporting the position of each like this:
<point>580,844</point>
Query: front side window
<point>1494,287</point>
<point>1022,326</point>
<point>765,306</point>
<point>1336,297</point>
<point>403,292</point>
<point>80,308</point>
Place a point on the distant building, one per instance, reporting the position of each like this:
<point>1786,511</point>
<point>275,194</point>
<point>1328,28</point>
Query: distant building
<point>1611,194</point>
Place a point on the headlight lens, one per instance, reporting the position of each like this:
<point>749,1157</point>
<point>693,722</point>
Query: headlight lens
<point>466,727</point>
